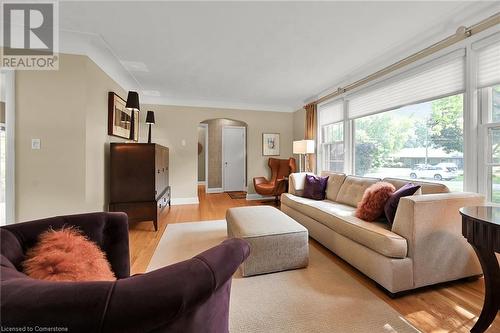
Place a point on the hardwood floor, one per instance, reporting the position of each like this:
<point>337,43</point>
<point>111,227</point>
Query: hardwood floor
<point>453,307</point>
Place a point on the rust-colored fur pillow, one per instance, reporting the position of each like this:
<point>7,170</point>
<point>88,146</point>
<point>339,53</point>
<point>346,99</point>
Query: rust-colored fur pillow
<point>67,255</point>
<point>371,206</point>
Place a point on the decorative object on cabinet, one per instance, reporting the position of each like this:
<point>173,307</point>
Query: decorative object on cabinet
<point>133,105</point>
<point>270,144</point>
<point>139,181</point>
<point>150,119</point>
<point>119,118</point>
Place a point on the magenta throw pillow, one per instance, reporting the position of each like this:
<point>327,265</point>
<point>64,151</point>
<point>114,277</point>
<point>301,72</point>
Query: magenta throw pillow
<point>392,203</point>
<point>315,187</point>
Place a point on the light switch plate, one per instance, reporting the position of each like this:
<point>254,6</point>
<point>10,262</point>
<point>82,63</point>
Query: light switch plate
<point>35,144</point>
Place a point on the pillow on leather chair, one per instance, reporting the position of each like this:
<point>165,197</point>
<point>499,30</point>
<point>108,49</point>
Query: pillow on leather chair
<point>315,187</point>
<point>67,255</point>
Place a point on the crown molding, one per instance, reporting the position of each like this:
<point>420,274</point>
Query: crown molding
<point>154,100</point>
<point>95,47</point>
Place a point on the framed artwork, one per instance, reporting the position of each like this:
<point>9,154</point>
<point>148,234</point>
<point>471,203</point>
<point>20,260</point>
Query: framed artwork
<point>270,144</point>
<point>119,118</point>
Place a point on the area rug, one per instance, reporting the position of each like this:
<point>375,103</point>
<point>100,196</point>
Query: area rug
<point>319,298</point>
<point>237,195</point>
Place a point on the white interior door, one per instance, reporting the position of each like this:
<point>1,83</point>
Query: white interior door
<point>233,158</point>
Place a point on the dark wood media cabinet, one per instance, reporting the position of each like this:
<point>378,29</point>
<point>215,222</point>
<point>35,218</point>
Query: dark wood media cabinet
<point>139,183</point>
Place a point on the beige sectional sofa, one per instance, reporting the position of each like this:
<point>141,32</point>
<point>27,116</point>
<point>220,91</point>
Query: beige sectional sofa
<point>424,246</point>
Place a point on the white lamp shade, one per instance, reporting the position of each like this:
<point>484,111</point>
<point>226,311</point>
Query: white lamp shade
<point>309,146</point>
<point>303,147</point>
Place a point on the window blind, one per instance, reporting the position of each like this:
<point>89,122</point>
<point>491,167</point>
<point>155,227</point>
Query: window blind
<point>331,112</point>
<point>438,78</point>
<point>488,61</point>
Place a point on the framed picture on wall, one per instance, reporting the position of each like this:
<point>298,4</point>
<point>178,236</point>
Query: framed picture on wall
<point>270,144</point>
<point>119,118</point>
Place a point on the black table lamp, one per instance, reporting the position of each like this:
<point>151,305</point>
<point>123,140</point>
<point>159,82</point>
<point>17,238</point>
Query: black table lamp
<point>150,119</point>
<point>133,105</point>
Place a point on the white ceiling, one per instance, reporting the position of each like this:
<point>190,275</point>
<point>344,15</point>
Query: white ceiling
<point>258,55</point>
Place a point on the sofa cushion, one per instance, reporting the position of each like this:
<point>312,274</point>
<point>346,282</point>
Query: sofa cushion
<point>340,218</point>
<point>315,187</point>
<point>335,181</point>
<point>67,255</point>
<point>352,189</point>
<point>391,205</point>
<point>374,199</point>
<point>296,182</point>
<point>426,187</point>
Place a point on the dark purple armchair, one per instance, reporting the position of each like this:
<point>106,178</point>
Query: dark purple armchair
<point>190,296</point>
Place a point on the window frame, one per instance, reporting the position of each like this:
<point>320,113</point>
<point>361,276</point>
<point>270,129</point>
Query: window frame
<point>486,124</point>
<point>477,175</point>
<point>353,129</point>
<point>321,161</point>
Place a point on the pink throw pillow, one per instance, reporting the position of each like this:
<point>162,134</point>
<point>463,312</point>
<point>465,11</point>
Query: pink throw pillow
<point>371,206</point>
<point>67,255</point>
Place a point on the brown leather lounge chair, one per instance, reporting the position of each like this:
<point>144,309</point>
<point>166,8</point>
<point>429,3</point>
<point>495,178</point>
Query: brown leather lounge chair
<point>280,170</point>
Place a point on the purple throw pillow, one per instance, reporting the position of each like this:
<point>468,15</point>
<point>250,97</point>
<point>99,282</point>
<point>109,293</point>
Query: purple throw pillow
<point>392,203</point>
<point>315,187</point>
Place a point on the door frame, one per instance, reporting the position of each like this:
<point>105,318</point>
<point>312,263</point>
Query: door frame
<point>10,149</point>
<point>205,152</point>
<point>244,154</point>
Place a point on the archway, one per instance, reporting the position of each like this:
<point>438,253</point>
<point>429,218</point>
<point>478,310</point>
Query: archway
<point>218,160</point>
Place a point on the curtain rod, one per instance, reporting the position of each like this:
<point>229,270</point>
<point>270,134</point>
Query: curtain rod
<point>461,34</point>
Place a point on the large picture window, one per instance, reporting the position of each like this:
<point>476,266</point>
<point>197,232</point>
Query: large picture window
<point>422,141</point>
<point>411,124</point>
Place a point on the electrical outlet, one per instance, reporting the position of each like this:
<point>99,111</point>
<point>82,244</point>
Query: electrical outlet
<point>35,144</point>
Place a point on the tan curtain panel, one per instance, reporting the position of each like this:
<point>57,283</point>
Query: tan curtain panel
<point>311,126</point>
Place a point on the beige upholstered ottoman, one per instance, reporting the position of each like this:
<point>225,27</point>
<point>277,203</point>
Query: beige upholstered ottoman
<point>277,241</point>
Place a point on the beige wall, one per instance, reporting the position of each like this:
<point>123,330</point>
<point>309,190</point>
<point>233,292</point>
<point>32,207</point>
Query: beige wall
<point>175,123</point>
<point>67,110</point>
<point>299,128</point>
<point>215,149</point>
<point>299,124</point>
<point>201,156</point>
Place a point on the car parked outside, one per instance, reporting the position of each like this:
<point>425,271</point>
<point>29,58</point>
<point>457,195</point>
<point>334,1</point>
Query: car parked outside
<point>436,172</point>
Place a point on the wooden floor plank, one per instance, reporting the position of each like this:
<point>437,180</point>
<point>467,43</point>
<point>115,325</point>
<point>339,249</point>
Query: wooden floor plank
<point>453,307</point>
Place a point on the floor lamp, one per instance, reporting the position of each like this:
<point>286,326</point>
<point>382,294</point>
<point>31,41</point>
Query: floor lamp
<point>302,148</point>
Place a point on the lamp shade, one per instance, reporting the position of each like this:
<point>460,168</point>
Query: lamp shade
<point>150,117</point>
<point>299,147</point>
<point>133,101</point>
<point>303,147</point>
<point>309,146</point>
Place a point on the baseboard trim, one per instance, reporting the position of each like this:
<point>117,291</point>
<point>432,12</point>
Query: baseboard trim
<point>215,190</point>
<point>255,196</point>
<point>185,201</point>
